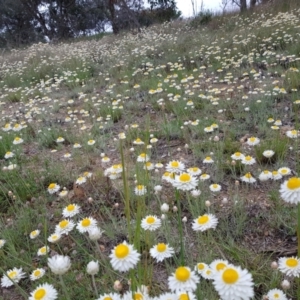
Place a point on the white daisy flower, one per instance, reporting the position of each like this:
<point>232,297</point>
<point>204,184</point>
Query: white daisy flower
<point>140,190</point>
<point>64,227</point>
<point>265,175</point>
<point>215,187</point>
<point>237,156</point>
<point>183,279</point>
<point>18,141</point>
<point>124,257</point>
<point>151,223</point>
<point>208,274</point>
<point>276,175</point>
<point>289,266</point>
<point>175,166</point>
<point>200,267</point>
<point>293,134</point>
<point>12,276</point>
<point>54,238</point>
<point>205,222</point>
<point>248,160</point>
<point>80,180</point>
<point>204,177</point>
<point>185,296</point>
<point>218,265</point>
<point>268,153</point>
<point>276,294</point>
<point>252,141</point>
<point>248,178</point>
<point>44,291</point>
<point>59,264</point>
<point>86,224</point>
<point>9,154</point>
<point>35,233</point>
<point>37,274</point>
<point>161,251</point>
<point>110,296</point>
<point>194,171</point>
<point>43,251</point>
<point>284,171</point>
<point>60,140</point>
<point>143,157</point>
<point>290,190</point>
<point>234,283</point>
<point>185,182</point>
<point>71,210</point>
<point>91,142</point>
<point>53,188</point>
<point>208,160</point>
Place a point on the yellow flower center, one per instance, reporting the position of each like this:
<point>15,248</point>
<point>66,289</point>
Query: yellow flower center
<point>208,272</point>
<point>248,157</point>
<point>203,219</point>
<point>17,139</point>
<point>185,177</point>
<point>43,250</point>
<point>33,233</point>
<point>293,183</point>
<point>161,247</point>
<point>182,274</point>
<point>195,169</point>
<point>184,297</point>
<point>140,187</point>
<point>174,164</point>
<point>121,251</point>
<point>63,223</point>
<point>208,158</point>
<point>266,172</point>
<point>143,155</point>
<point>215,186</point>
<point>39,294</point>
<point>275,173</point>
<point>148,164</point>
<point>138,140</point>
<point>12,274</point>
<point>37,273</point>
<point>276,296</point>
<point>138,296</point>
<point>201,266</point>
<point>107,298</point>
<point>51,186</point>
<point>70,207</point>
<point>248,175</point>
<point>252,139</point>
<point>230,276</point>
<point>86,222</point>
<point>294,132</point>
<point>292,262</point>
<point>150,220</point>
<point>283,171</point>
<point>220,266</point>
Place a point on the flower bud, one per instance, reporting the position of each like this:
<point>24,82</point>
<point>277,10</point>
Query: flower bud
<point>285,284</point>
<point>207,203</point>
<point>175,209</point>
<point>118,286</point>
<point>165,207</point>
<point>274,265</point>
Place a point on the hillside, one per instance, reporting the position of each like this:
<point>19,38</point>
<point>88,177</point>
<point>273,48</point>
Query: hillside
<point>181,140</point>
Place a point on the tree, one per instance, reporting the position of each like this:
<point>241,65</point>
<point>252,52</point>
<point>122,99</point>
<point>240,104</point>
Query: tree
<point>242,4</point>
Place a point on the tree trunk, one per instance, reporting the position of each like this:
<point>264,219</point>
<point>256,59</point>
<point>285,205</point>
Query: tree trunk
<point>111,8</point>
<point>243,5</point>
<point>252,3</point>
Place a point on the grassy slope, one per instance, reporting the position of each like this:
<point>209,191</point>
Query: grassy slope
<point>94,90</point>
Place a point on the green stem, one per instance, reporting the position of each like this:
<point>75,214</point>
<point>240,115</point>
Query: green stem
<point>94,285</point>
<point>16,285</point>
<point>126,192</point>
<point>64,287</point>
<point>180,229</point>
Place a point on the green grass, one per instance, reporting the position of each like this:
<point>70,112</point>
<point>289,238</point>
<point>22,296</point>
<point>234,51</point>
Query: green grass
<point>170,82</point>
